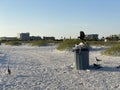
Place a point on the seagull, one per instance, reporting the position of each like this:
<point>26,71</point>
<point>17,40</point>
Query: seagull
<point>9,71</point>
<point>97,60</point>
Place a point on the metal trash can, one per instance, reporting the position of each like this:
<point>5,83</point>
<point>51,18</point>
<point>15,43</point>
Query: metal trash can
<point>82,58</point>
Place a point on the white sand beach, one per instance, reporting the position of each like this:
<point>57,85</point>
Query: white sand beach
<point>45,68</point>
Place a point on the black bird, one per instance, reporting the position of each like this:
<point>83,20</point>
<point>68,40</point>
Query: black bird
<point>118,67</point>
<point>97,66</point>
<point>9,71</point>
<point>98,60</point>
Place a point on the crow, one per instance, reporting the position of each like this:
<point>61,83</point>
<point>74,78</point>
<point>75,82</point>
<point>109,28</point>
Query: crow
<point>9,71</point>
<point>118,67</point>
<point>97,66</point>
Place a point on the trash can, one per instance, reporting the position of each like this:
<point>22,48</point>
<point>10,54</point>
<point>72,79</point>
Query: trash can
<point>82,58</point>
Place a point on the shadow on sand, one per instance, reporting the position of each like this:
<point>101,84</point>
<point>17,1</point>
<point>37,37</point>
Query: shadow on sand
<point>97,49</point>
<point>106,68</point>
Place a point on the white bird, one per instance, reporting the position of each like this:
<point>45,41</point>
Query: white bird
<point>98,60</point>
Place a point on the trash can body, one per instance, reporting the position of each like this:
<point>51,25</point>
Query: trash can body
<point>82,58</point>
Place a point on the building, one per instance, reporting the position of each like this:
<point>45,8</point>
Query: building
<point>91,37</point>
<point>35,38</point>
<point>48,38</point>
<point>23,36</point>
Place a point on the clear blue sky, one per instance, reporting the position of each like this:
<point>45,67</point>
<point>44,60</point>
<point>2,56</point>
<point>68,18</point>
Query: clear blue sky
<point>59,17</point>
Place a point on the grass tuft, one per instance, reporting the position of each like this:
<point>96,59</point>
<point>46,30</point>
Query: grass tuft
<point>68,44</point>
<point>14,43</point>
<point>113,50</point>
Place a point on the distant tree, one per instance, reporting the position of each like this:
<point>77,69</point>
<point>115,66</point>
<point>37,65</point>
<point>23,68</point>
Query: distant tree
<point>113,37</point>
<point>108,38</point>
<point>103,38</point>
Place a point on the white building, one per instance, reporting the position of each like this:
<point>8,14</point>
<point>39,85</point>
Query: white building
<point>23,36</point>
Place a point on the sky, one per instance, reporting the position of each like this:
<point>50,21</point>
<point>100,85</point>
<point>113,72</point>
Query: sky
<point>59,18</point>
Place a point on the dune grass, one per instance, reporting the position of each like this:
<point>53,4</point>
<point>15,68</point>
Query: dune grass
<point>114,46</point>
<point>33,43</point>
<point>13,43</point>
<point>43,42</point>
<point>113,50</point>
<point>40,43</point>
<point>68,44</point>
<point>102,43</point>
